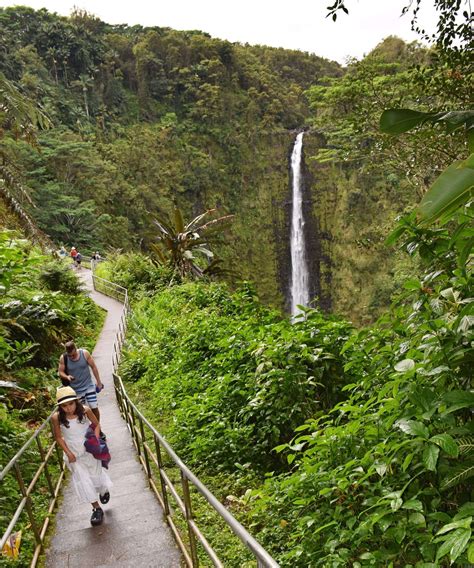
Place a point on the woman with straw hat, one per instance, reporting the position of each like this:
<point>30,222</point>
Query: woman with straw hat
<point>70,424</point>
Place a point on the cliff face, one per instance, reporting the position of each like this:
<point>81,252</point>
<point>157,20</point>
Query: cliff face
<point>348,215</point>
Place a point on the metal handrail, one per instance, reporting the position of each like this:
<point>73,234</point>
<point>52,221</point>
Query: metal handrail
<point>27,487</point>
<point>145,453</point>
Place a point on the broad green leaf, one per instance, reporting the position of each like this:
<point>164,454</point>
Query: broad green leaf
<point>446,443</point>
<point>430,457</point>
<point>461,524</point>
<point>399,120</point>
<point>450,190</point>
<point>414,428</point>
<point>413,505</point>
<point>395,504</point>
<point>417,519</point>
<point>407,461</point>
<point>467,510</point>
<point>448,544</point>
<point>412,284</point>
<point>470,553</point>
<point>463,538</point>
<point>405,365</point>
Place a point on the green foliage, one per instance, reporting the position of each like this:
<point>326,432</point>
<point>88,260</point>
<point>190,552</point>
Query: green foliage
<point>33,319</point>
<point>40,307</point>
<point>454,187</point>
<point>58,277</point>
<point>148,118</point>
<point>384,477</point>
<point>181,245</point>
<point>136,272</point>
<point>379,470</point>
<point>236,377</point>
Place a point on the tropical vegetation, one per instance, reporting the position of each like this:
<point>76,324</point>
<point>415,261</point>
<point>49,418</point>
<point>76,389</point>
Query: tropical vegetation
<point>336,443</point>
<point>41,307</point>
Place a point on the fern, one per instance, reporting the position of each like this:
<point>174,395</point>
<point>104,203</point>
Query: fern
<point>466,445</point>
<point>457,475</point>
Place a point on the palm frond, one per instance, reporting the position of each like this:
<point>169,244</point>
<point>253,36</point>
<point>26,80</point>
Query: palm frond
<point>192,225</point>
<point>178,221</point>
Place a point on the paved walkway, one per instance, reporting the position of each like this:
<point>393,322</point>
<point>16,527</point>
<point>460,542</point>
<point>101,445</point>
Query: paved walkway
<point>134,533</point>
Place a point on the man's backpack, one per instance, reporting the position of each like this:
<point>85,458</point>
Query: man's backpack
<point>65,382</point>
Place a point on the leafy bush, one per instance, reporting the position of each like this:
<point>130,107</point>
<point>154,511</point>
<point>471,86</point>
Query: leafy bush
<point>58,277</point>
<point>238,377</point>
<point>136,272</point>
<point>33,321</point>
<point>378,471</point>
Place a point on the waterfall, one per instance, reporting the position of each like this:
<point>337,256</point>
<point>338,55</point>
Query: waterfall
<point>299,289</point>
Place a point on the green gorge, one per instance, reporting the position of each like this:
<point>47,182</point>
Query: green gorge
<point>342,437</point>
<point>143,119</point>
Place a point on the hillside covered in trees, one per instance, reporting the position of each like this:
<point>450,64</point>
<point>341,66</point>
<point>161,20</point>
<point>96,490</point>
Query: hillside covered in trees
<point>146,118</point>
<point>337,445</point>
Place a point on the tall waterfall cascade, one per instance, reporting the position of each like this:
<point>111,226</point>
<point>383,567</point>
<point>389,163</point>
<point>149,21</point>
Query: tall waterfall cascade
<point>299,288</point>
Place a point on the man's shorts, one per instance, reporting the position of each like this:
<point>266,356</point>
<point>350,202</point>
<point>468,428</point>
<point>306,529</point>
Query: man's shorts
<point>89,398</point>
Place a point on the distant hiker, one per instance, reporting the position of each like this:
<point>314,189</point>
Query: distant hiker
<point>78,259</point>
<point>72,423</point>
<point>62,252</point>
<point>75,371</point>
<point>73,255</point>
<point>96,256</point>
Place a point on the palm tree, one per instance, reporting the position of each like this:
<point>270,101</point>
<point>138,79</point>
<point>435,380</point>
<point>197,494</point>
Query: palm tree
<point>179,244</point>
<point>84,83</point>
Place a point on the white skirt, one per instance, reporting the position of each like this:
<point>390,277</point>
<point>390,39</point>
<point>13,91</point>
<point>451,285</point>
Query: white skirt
<point>89,478</point>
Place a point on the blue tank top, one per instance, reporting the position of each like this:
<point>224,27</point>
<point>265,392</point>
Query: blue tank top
<point>81,372</point>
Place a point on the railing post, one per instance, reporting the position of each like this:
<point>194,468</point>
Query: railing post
<point>58,451</point>
<point>29,507</point>
<point>162,481</point>
<point>145,453</point>
<point>135,434</point>
<point>189,517</point>
<point>46,471</point>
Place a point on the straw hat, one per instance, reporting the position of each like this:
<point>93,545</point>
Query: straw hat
<point>65,394</point>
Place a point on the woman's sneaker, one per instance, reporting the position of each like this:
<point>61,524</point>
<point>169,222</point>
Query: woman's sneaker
<point>97,517</point>
<point>105,498</point>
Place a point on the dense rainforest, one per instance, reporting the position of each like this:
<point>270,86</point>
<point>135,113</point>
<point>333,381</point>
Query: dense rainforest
<point>335,444</point>
<point>143,119</point>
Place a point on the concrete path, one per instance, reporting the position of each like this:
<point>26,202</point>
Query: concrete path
<point>134,533</point>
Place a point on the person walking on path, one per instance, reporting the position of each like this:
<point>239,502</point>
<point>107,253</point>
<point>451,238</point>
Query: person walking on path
<point>73,255</point>
<point>71,423</point>
<point>75,371</point>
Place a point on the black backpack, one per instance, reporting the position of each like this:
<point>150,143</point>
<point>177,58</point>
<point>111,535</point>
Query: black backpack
<point>65,382</point>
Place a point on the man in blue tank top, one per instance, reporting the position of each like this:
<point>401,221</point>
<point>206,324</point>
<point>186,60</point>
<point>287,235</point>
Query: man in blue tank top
<point>76,371</point>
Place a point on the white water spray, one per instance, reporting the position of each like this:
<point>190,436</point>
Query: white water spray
<point>299,266</point>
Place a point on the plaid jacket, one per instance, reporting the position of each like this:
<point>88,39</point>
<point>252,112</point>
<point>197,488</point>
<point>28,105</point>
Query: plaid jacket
<point>98,448</point>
